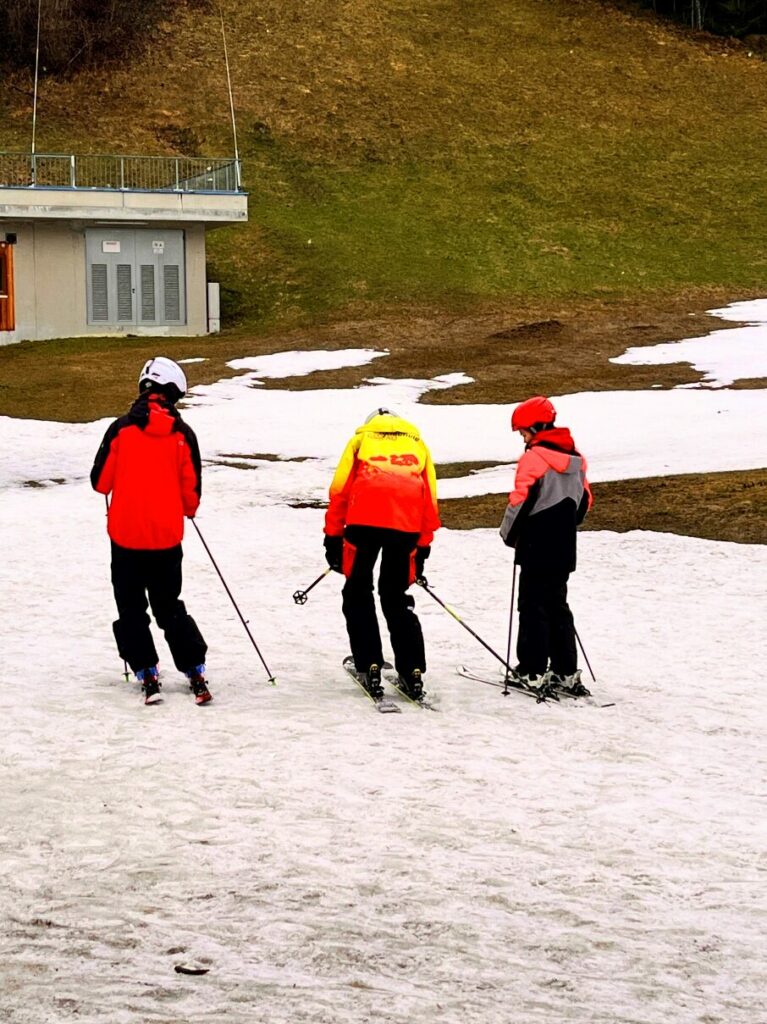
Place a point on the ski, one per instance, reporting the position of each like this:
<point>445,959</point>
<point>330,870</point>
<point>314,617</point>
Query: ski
<point>467,673</point>
<point>394,680</point>
<point>584,698</point>
<point>383,704</point>
<point>557,694</point>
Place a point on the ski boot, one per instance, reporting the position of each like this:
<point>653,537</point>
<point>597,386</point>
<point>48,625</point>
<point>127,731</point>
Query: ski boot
<point>198,685</point>
<point>539,685</point>
<point>150,684</point>
<point>412,685</point>
<point>371,680</point>
<point>569,684</point>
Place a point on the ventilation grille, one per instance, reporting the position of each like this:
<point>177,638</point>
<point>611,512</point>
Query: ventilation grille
<point>99,292</point>
<point>124,292</point>
<point>148,311</point>
<point>172,293</point>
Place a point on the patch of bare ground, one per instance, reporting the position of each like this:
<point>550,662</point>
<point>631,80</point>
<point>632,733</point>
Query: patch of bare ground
<point>715,506</point>
<point>510,351</point>
<point>453,470</point>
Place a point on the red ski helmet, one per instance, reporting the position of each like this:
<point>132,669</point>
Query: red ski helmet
<point>534,412</point>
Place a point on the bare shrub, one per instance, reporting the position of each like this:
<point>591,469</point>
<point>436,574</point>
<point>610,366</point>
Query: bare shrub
<point>75,33</point>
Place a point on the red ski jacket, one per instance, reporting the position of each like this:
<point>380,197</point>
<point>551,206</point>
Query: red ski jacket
<point>149,461</point>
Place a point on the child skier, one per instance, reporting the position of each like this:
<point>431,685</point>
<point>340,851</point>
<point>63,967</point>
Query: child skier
<point>550,499</point>
<point>149,461</point>
<point>383,499</point>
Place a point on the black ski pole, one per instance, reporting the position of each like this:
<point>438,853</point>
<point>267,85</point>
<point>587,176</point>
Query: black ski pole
<point>583,652</point>
<point>451,611</point>
<point>511,619</point>
<point>272,680</point>
<point>302,596</point>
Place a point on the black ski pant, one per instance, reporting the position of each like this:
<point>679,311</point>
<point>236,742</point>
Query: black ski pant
<point>546,630</point>
<point>156,575</point>
<point>362,545</point>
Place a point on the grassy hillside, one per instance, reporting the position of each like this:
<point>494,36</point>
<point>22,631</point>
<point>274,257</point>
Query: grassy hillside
<point>444,153</point>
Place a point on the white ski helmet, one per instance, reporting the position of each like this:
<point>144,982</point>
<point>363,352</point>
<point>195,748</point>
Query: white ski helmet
<point>163,373</point>
<point>383,411</point>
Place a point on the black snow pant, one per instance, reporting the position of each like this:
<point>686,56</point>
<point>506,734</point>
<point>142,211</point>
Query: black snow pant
<point>546,630</point>
<point>156,574</point>
<point>362,545</point>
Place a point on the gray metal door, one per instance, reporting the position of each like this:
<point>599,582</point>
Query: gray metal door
<point>161,278</point>
<point>135,277</point>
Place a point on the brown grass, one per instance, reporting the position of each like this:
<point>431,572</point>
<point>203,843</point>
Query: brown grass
<point>511,351</point>
<point>715,506</point>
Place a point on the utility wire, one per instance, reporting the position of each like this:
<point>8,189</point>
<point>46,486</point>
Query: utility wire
<point>231,97</point>
<point>34,103</point>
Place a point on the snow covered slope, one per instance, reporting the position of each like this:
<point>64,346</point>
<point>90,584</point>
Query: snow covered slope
<point>497,863</point>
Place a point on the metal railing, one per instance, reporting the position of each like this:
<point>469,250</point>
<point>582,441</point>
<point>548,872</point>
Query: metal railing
<point>131,173</point>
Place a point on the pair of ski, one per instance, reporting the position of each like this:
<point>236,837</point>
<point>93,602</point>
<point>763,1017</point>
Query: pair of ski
<point>385,704</point>
<point>559,692</point>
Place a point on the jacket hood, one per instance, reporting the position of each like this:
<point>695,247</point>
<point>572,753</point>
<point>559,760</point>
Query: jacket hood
<point>154,414</point>
<point>556,437</point>
<point>388,424</point>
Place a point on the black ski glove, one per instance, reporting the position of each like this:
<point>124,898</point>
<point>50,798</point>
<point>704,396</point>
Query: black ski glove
<point>421,554</point>
<point>334,552</point>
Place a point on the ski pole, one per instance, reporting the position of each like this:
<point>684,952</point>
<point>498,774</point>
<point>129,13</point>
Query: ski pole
<point>583,652</point>
<point>511,619</point>
<point>302,596</point>
<point>272,680</point>
<point>451,611</point>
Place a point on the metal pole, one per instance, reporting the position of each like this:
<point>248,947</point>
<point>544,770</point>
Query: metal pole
<point>301,596</point>
<point>34,103</point>
<point>511,619</point>
<point>583,652</point>
<point>231,598</point>
<point>457,617</point>
<point>231,99</point>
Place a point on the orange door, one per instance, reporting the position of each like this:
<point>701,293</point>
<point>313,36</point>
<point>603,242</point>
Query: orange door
<point>7,314</point>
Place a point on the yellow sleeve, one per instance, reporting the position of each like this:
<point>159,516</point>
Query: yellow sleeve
<point>340,485</point>
<point>430,520</point>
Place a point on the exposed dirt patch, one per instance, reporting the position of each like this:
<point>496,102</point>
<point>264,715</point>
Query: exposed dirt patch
<point>511,351</point>
<point>715,506</point>
<point>451,470</point>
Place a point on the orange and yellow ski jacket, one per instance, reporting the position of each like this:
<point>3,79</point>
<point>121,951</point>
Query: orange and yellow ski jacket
<point>385,478</point>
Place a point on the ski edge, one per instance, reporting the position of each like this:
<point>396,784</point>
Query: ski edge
<point>393,680</point>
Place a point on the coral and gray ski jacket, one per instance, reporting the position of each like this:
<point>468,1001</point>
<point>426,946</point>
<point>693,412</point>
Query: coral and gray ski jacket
<point>385,478</point>
<point>550,499</point>
<point>149,461</point>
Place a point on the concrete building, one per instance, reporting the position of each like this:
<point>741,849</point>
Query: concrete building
<point>109,245</point>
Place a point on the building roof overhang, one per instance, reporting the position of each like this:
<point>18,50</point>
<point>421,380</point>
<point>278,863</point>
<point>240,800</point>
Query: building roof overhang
<point>54,204</point>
